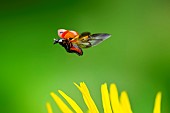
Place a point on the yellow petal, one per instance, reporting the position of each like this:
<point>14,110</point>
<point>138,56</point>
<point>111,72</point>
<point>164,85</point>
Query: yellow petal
<point>105,99</point>
<point>87,98</point>
<point>49,109</point>
<point>63,107</point>
<point>125,103</point>
<point>88,111</point>
<point>114,98</point>
<point>71,102</point>
<point>157,107</point>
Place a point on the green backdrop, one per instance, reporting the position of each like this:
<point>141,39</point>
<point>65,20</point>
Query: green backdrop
<point>136,57</point>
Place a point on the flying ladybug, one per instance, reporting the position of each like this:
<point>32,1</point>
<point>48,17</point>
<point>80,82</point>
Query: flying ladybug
<point>73,42</point>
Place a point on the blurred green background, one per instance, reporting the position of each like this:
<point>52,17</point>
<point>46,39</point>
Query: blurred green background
<point>136,57</point>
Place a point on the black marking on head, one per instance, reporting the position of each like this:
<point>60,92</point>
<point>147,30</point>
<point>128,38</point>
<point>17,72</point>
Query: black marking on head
<point>56,41</point>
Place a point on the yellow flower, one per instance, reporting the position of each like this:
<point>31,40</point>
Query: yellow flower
<point>112,103</point>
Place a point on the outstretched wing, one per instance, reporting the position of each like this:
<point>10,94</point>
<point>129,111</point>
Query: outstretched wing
<point>88,40</point>
<point>96,39</point>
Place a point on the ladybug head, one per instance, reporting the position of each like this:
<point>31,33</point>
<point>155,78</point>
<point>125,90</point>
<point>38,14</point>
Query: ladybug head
<point>58,41</point>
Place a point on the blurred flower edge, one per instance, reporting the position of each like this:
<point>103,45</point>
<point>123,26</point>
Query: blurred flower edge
<point>112,103</point>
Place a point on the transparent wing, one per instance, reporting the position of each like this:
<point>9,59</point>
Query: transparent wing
<point>94,40</point>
